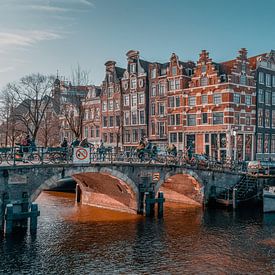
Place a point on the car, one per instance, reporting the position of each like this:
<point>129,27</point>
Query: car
<point>261,167</point>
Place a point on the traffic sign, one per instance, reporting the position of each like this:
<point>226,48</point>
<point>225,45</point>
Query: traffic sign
<point>81,155</point>
<point>156,176</point>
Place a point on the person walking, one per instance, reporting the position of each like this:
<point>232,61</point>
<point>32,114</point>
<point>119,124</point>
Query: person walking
<point>24,147</point>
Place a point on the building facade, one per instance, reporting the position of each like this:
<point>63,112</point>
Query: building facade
<point>135,91</point>
<point>111,106</point>
<point>265,126</point>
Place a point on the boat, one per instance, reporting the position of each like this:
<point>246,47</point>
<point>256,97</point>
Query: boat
<point>269,199</point>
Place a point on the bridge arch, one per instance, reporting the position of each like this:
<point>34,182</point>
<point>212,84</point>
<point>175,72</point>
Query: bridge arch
<point>52,182</point>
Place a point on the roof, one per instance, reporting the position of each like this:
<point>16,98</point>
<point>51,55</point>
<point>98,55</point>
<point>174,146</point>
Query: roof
<point>120,72</point>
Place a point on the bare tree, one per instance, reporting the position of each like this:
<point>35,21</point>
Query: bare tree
<point>32,95</point>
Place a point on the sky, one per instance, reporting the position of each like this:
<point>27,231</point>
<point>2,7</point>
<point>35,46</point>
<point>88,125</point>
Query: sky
<point>49,35</point>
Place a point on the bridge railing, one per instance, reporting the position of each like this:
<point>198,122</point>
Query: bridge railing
<point>20,155</point>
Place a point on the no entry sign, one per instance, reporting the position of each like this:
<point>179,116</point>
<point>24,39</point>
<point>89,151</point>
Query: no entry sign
<point>81,155</point>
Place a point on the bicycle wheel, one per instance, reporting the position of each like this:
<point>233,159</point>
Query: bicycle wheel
<point>9,159</point>
<point>34,158</point>
<point>58,158</point>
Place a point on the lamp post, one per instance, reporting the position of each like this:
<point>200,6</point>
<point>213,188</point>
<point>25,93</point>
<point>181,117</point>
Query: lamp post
<point>235,144</point>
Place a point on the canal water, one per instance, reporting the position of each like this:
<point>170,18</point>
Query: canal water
<point>75,239</point>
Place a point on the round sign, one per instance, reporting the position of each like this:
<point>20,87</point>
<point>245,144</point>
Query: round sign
<point>81,154</point>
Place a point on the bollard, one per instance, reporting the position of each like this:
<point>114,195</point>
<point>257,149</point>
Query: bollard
<point>235,203</point>
<point>77,193</point>
<point>160,204</point>
<point>8,218</point>
<point>24,208</point>
<point>33,217</point>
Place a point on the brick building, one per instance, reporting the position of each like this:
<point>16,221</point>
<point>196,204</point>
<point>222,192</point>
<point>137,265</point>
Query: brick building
<point>135,90</point>
<point>265,127</point>
<point>111,106</point>
<point>220,110</point>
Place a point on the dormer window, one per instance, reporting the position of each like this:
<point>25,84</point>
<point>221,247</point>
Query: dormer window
<point>163,71</point>
<point>204,81</point>
<point>132,68</point>
<point>223,78</point>
<point>189,71</point>
<point>174,70</point>
<point>203,69</point>
<point>153,73</point>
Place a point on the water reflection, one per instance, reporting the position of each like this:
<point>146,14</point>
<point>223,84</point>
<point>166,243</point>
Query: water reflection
<point>74,239</point>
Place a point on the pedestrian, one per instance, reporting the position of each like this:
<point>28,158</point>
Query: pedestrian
<point>24,147</point>
<point>64,143</point>
<point>85,143</point>
<point>75,142</point>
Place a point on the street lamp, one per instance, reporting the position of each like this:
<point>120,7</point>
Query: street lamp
<point>235,144</point>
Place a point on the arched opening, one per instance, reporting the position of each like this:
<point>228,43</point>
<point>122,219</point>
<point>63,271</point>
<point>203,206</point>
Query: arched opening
<point>182,188</point>
<point>106,191</point>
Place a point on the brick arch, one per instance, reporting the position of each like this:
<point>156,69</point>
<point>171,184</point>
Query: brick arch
<point>52,181</point>
<point>180,172</point>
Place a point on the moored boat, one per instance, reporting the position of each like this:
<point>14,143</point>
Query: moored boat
<point>269,199</point>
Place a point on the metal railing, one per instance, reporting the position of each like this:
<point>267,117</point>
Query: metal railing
<point>20,155</point>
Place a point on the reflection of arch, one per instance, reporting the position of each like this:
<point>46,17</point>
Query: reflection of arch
<point>52,182</point>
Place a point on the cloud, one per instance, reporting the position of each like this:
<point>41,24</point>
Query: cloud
<point>7,69</point>
<point>47,8</point>
<point>25,38</point>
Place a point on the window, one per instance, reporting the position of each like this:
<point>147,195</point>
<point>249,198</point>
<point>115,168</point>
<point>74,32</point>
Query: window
<point>153,73</point>
<point>261,77</point>
<point>259,143</point>
<point>153,128</point>
<point>204,118</point>
<point>92,132</point>
<point>111,105</point>
<point>243,67</point>
<point>132,68</point>
<point>126,100</point>
<point>174,70</point>
<point>247,120</point>
<point>110,91</point>
<point>237,98</point>
<point>217,99</point>
<point>127,136</point>
<point>134,100</point>
<point>153,109</point>
<point>217,118</point>
<point>267,119</point>
<point>110,78</point>
<point>173,137</point>
<point>116,104</point>
<point>248,100</point>
<point>243,80</point>
<point>161,89</point>
<point>86,132</point>
<point>192,101</point>
<point>177,119</point>
<point>171,101</point>
<point>204,99</point>
<point>141,117</point>
<point>273,98</point>
<point>204,81</point>
<point>273,144</point>
<point>141,98</point>
<point>273,119</point>
<point>177,101</point>
<point>171,85</point>
<point>125,85</point>
<point>268,80</point>
<point>161,129</point>
<point>267,97</point>
<point>177,84</point>
<point>117,121</point>
<point>133,83</point>
<point>105,122</point>
<point>111,137</point>
<point>111,121</point>
<point>97,131</point>
<point>134,118</point>
<point>104,106</point>
<point>237,118</point>
<point>191,120</point>
<point>153,90</point>
<point>261,96</point>
<point>273,80</point>
<point>105,138</point>
<point>171,120</point>
<point>260,117</point>
<point>140,83</point>
<point>161,108</point>
<point>135,135</point>
<point>203,68</point>
<point>126,118</point>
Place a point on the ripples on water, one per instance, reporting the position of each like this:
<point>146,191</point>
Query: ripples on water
<point>86,240</point>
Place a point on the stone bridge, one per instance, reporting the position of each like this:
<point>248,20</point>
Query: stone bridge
<point>33,179</point>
